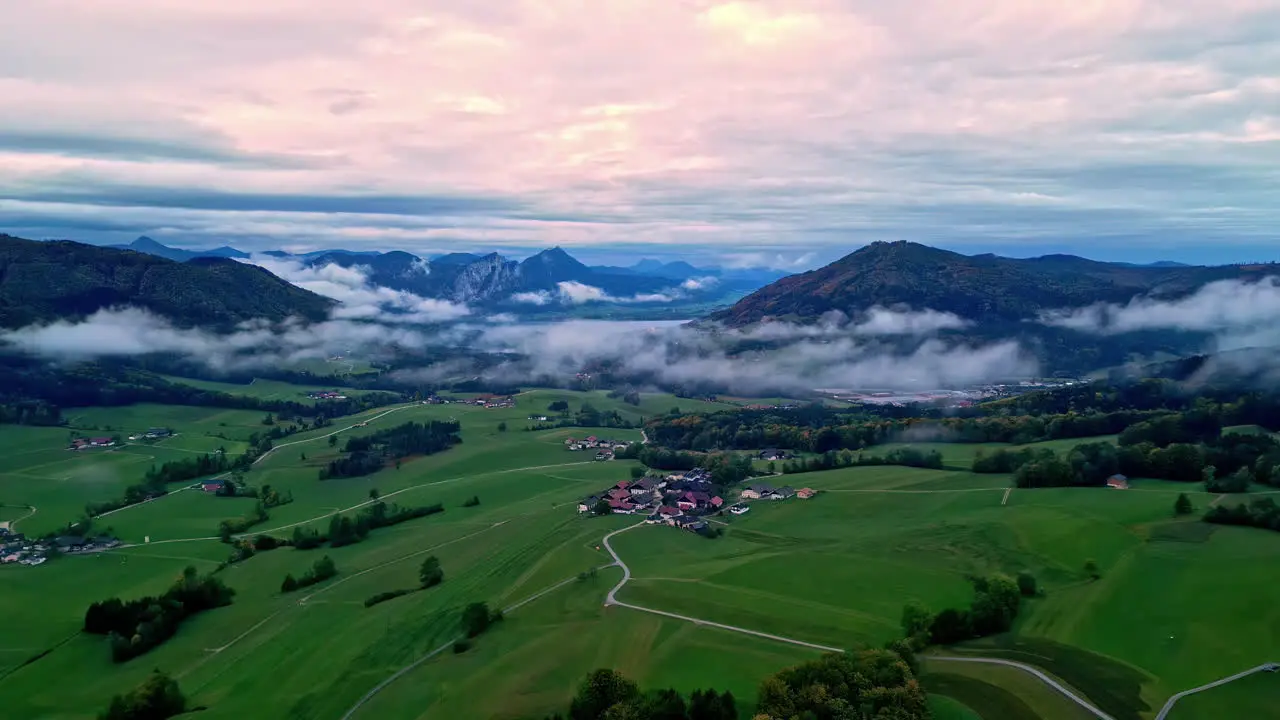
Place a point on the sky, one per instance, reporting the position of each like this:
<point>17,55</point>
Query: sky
<point>774,133</point>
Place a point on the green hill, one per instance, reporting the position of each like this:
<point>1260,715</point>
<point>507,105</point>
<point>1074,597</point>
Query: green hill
<point>46,281</point>
<point>982,288</point>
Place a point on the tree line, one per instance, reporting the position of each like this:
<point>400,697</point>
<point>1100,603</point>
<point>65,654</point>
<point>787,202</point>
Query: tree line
<point>1261,513</point>
<point>321,570</point>
<point>135,626</point>
<point>606,694</point>
<point>369,453</point>
<point>344,530</point>
<point>34,391</point>
<point>157,698</point>
<point>997,598</point>
<point>1229,462</point>
<point>830,460</point>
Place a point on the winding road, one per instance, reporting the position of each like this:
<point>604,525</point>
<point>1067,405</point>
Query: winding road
<point>612,599</point>
<point>1164,711</point>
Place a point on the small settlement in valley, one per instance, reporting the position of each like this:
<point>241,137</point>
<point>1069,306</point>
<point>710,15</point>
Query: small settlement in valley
<point>683,499</point>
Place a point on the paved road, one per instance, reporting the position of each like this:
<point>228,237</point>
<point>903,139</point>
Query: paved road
<point>1164,711</point>
<point>612,599</point>
<point>1028,669</point>
<point>13,524</point>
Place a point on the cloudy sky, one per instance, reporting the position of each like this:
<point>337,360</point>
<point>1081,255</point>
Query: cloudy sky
<point>780,132</point>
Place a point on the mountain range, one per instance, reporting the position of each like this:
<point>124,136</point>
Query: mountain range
<point>146,245</point>
<point>493,279</point>
<point>63,280</point>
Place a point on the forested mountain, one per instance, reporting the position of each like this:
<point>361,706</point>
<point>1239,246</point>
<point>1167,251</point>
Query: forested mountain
<point>982,288</point>
<point>46,281</point>
<point>1002,298</point>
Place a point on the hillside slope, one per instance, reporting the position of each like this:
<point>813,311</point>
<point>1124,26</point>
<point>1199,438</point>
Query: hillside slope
<point>46,281</point>
<point>982,288</point>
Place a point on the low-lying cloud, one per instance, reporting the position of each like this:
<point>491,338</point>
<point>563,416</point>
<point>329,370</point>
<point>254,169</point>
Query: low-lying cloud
<point>358,298</point>
<point>649,354</point>
<point>572,292</point>
<point>1229,309</point>
<point>876,321</point>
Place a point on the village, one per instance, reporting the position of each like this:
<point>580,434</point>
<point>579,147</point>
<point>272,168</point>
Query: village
<point>17,548</point>
<point>488,401</point>
<point>604,448</point>
<point>683,500</point>
<point>83,443</point>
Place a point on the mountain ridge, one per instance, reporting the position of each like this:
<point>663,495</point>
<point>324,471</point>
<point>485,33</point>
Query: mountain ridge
<point>976,287</point>
<point>44,281</point>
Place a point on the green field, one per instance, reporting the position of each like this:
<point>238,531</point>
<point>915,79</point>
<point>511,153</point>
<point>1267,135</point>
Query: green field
<point>1167,614</point>
<point>263,389</point>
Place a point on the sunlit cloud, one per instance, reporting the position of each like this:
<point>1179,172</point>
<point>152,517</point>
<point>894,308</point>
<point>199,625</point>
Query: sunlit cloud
<point>769,129</point>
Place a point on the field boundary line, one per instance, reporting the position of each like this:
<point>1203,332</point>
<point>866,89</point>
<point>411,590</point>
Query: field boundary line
<point>402,558</point>
<point>413,665</point>
<point>255,462</point>
<point>1168,706</point>
<point>611,599</point>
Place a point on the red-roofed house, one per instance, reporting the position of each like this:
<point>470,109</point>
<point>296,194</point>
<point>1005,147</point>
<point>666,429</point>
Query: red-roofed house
<point>717,501</point>
<point>618,494</point>
<point>211,487</point>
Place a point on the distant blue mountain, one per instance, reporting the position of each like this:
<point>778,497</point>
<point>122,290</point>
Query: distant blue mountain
<point>148,246</point>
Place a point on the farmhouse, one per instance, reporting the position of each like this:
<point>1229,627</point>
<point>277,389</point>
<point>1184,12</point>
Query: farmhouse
<point>774,454</point>
<point>1118,482</point>
<point>211,487</point>
<point>739,509</point>
<point>101,442</point>
<point>588,503</point>
<point>158,433</point>
<point>756,492</point>
<point>626,507</point>
<point>806,493</point>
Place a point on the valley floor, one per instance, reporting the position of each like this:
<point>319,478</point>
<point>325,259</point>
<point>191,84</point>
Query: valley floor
<point>1178,603</point>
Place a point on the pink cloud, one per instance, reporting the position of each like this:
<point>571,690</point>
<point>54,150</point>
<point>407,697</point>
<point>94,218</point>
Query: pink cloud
<point>616,106</point>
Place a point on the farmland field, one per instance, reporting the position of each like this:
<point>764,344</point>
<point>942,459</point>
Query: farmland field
<point>263,389</point>
<point>834,570</point>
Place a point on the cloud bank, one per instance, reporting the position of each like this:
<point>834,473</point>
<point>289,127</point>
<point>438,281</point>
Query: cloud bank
<point>571,292</point>
<point>1228,308</point>
<point>358,297</point>
<point>867,354</point>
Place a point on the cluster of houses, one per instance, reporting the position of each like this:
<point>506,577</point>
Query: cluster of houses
<point>775,454</point>
<point>491,401</point>
<point>155,433</point>
<point>764,491</point>
<point>678,500</point>
<point>16,548</point>
<point>604,448</point>
<point>86,443</point>
<point>327,395</point>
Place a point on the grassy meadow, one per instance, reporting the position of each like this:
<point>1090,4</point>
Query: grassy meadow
<point>1178,603</point>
